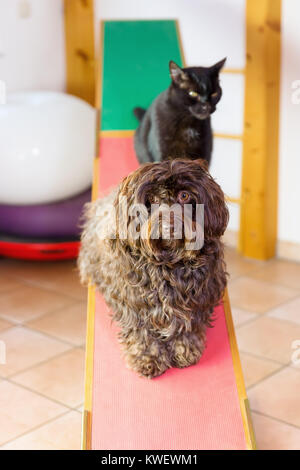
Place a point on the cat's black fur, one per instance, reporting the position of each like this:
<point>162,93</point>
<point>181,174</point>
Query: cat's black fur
<point>178,124</point>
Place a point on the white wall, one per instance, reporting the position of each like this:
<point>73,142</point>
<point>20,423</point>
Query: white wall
<point>209,28</point>
<point>32,48</point>
<point>289,168</point>
<point>32,56</point>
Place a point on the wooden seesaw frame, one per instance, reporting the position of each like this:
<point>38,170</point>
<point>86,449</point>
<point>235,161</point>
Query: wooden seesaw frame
<point>110,138</point>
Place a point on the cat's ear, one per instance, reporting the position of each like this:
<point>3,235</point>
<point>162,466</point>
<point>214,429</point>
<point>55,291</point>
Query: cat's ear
<point>177,74</point>
<point>215,69</point>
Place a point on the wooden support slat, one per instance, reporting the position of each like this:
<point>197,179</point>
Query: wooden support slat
<point>241,389</point>
<point>258,229</point>
<point>80,49</point>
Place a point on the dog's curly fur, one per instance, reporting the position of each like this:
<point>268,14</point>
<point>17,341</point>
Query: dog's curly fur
<point>162,294</point>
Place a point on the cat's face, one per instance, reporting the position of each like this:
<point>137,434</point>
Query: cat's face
<point>197,88</point>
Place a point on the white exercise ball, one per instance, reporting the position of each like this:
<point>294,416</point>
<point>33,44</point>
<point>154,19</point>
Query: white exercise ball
<point>47,147</point>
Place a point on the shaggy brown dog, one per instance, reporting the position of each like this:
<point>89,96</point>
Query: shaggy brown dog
<point>161,291</point>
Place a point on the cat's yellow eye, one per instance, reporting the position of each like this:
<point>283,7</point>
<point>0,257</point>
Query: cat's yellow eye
<point>193,94</point>
<point>214,95</point>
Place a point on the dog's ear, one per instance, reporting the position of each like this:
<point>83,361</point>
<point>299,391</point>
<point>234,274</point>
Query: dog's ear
<point>216,213</point>
<point>216,219</point>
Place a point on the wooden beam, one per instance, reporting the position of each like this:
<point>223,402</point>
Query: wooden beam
<point>258,228</point>
<point>86,441</point>
<point>80,49</point>
<point>240,383</point>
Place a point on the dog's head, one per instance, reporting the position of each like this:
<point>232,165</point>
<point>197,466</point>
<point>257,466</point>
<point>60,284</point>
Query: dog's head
<point>159,210</point>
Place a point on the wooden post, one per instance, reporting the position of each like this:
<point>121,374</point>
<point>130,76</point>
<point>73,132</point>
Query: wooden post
<point>80,49</point>
<point>258,227</point>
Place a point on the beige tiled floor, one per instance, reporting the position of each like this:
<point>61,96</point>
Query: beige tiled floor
<point>42,322</point>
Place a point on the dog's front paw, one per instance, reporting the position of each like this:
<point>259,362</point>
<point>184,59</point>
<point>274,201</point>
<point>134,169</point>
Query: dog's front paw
<point>147,366</point>
<point>187,351</point>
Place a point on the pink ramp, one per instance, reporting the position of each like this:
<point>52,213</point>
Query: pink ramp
<point>200,407</point>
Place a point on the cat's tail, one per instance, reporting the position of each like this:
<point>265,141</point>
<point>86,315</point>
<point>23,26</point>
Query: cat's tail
<point>139,113</point>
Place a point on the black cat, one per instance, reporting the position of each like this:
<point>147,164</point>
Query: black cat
<point>177,124</point>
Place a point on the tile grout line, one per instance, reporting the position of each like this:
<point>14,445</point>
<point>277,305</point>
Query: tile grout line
<point>257,356</point>
<point>281,304</point>
<point>251,320</point>
<point>269,283</point>
<point>34,283</point>
<point>57,402</point>
<point>6,328</point>
<point>41,363</point>
<point>260,264</point>
<point>292,323</point>
<point>266,313</point>
<point>276,284</point>
<point>28,389</point>
<point>262,315</point>
<point>35,428</point>
<point>52,290</point>
<point>257,268</point>
<point>271,374</point>
<point>49,290</point>
<point>275,419</point>
<point>38,317</point>
<point>48,335</point>
<point>11,289</point>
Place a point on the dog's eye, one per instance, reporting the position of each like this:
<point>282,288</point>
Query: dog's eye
<point>153,199</point>
<point>183,196</point>
<point>193,94</point>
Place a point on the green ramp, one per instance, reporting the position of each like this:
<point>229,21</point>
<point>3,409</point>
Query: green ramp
<point>135,67</point>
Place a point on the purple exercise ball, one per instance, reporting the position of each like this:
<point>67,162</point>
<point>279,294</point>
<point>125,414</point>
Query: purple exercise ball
<point>55,220</point>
